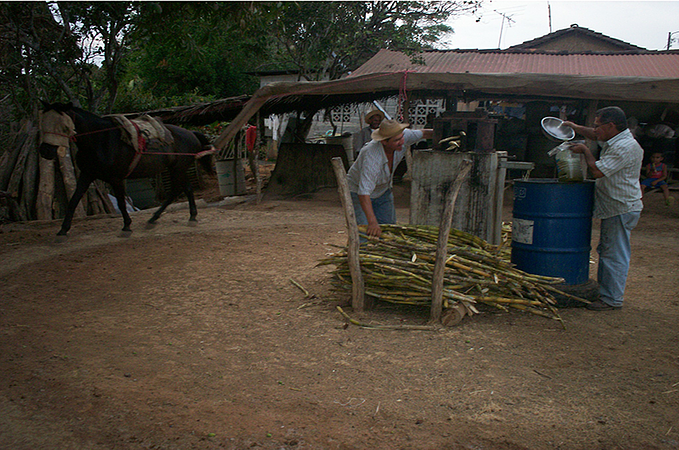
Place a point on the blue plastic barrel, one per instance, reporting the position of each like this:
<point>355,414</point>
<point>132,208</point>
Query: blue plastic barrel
<point>552,228</point>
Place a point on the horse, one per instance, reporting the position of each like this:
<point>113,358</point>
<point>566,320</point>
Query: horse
<point>105,153</point>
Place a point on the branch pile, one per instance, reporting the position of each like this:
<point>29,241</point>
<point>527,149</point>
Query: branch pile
<point>32,187</point>
<point>398,268</point>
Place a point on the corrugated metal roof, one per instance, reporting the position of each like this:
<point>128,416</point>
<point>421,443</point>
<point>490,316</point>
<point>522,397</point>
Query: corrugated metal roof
<point>652,64</point>
<point>575,30</point>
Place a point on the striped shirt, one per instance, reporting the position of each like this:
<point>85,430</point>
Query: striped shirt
<point>370,174</point>
<point>618,191</point>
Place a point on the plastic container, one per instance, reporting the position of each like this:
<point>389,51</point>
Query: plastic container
<point>569,165</point>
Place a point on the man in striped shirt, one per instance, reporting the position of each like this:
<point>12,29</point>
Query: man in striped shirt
<point>617,199</point>
<point>371,177</point>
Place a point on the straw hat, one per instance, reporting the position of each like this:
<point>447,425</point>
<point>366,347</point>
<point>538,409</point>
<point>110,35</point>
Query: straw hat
<point>372,113</point>
<point>388,129</point>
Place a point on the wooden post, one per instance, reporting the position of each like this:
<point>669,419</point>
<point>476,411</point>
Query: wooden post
<point>442,243</point>
<point>357,287</point>
<point>258,178</point>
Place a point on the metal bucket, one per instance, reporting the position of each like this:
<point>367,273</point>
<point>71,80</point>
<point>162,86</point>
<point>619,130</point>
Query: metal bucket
<point>552,228</point>
<point>346,142</point>
<point>230,177</point>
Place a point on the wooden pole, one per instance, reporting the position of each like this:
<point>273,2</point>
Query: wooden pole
<point>358,301</point>
<point>442,243</point>
<point>260,133</point>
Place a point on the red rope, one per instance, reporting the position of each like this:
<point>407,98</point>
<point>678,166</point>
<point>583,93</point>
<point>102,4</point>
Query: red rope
<point>402,96</point>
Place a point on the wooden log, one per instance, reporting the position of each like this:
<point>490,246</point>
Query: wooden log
<point>68,172</point>
<point>14,184</point>
<point>358,298</point>
<point>453,315</point>
<point>9,157</point>
<point>442,243</point>
<point>43,206</point>
<point>103,196</point>
<point>29,183</point>
<point>92,202</point>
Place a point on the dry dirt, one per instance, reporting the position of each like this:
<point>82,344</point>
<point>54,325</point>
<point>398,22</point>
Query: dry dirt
<point>196,338</point>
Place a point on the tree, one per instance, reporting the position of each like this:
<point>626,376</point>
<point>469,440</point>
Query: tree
<point>34,50</point>
<point>205,48</point>
<point>327,39</point>
<point>103,30</point>
<point>66,50</point>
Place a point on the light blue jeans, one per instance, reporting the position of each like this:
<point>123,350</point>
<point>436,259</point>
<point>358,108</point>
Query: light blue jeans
<point>614,255</point>
<point>383,207</point>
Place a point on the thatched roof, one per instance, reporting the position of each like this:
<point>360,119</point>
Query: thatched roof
<point>312,96</point>
<point>224,110</point>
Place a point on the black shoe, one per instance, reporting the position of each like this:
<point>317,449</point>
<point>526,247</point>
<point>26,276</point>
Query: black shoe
<point>599,305</point>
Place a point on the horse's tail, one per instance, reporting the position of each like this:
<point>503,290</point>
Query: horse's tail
<point>207,150</point>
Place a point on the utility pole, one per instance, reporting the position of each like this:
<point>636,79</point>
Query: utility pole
<point>549,13</point>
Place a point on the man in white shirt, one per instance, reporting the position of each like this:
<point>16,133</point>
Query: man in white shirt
<point>371,177</point>
<point>617,199</point>
<point>374,118</point>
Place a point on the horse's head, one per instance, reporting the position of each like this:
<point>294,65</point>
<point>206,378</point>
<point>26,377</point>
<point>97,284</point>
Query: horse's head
<point>56,129</point>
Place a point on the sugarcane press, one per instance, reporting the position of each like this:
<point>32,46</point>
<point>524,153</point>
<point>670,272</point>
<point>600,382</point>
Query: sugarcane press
<point>478,209</point>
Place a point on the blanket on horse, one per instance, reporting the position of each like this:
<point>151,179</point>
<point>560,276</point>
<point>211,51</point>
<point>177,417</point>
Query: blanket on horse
<point>145,133</point>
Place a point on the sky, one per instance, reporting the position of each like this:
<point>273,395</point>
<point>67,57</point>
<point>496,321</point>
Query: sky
<point>504,22</point>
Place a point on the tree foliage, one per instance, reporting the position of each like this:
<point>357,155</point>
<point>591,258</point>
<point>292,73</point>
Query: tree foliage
<point>200,48</point>
<point>327,39</point>
<point>35,54</point>
<point>126,56</point>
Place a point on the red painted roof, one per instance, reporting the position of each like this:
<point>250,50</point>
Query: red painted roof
<point>632,64</point>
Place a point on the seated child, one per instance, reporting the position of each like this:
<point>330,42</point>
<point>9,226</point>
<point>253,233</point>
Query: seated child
<point>656,174</point>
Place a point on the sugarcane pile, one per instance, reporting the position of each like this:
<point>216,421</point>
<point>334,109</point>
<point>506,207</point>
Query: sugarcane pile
<point>398,268</point>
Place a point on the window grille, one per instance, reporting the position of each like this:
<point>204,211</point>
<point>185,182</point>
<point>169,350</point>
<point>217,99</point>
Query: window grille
<point>420,109</point>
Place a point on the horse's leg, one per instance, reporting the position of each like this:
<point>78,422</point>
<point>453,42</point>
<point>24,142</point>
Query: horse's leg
<point>170,198</point>
<point>83,183</point>
<point>193,210</point>
<point>176,183</point>
<point>119,192</point>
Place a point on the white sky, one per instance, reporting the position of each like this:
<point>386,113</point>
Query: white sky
<point>642,23</point>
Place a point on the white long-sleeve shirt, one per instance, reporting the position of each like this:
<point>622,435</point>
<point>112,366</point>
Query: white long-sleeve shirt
<point>370,174</point>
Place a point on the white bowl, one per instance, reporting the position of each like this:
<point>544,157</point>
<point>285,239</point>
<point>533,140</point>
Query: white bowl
<point>556,130</point>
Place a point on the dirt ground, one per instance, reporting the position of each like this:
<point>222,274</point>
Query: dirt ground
<point>196,338</point>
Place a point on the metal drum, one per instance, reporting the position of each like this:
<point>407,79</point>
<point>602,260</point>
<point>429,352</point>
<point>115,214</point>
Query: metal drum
<point>552,228</point>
